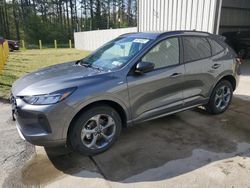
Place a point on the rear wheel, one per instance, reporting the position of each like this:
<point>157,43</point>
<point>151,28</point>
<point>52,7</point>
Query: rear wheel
<point>11,48</point>
<point>221,97</point>
<point>95,130</point>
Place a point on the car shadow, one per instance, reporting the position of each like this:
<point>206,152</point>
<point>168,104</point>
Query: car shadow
<point>166,147</point>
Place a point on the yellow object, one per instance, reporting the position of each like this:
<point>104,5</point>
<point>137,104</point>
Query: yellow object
<point>55,42</point>
<point>70,44</point>
<point>40,44</point>
<point>1,58</point>
<point>4,53</point>
<point>23,44</point>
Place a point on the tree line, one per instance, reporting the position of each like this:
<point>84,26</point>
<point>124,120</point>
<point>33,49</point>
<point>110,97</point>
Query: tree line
<point>46,20</point>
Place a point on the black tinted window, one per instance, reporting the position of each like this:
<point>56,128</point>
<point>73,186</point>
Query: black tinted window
<point>196,48</point>
<point>216,47</point>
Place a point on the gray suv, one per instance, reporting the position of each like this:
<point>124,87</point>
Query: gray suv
<point>134,78</point>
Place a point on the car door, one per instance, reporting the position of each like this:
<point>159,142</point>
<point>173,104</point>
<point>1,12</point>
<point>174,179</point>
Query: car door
<point>158,91</point>
<point>199,72</point>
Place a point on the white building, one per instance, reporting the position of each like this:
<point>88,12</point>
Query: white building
<point>214,16</point>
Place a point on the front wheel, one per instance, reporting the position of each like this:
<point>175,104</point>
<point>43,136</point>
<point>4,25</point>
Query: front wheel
<point>221,97</point>
<point>95,130</point>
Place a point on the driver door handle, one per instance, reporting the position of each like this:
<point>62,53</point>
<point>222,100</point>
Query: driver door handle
<point>216,66</point>
<point>175,74</point>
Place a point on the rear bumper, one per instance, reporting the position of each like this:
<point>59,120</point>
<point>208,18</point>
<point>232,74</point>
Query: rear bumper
<point>16,47</point>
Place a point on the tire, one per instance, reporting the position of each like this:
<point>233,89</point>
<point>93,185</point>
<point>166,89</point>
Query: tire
<point>85,130</point>
<point>219,103</point>
<point>11,48</point>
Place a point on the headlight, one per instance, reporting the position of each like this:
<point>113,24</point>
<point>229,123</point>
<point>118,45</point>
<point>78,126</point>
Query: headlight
<point>51,98</point>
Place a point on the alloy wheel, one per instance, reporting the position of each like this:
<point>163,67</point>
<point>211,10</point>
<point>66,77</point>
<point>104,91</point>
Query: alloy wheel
<point>222,97</point>
<point>98,131</point>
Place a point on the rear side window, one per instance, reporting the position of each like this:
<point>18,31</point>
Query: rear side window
<point>216,47</point>
<point>196,48</point>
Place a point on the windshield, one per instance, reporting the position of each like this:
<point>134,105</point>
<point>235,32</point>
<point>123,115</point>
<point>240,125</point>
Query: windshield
<point>115,54</point>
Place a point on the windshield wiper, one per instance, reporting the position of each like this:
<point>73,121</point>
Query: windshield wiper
<point>86,64</point>
<point>98,68</point>
<point>82,63</point>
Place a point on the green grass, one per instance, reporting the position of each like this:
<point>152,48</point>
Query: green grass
<point>23,62</point>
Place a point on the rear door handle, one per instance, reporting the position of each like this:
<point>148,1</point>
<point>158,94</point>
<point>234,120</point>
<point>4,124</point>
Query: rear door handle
<point>175,74</point>
<point>216,66</point>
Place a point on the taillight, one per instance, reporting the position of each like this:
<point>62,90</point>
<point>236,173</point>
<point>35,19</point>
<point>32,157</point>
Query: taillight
<point>238,60</point>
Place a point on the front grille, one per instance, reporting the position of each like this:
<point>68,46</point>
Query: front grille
<point>14,106</point>
<point>12,99</point>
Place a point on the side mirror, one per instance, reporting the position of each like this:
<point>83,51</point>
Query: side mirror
<point>143,67</point>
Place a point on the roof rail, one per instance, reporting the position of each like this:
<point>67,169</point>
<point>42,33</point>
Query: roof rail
<point>124,34</point>
<point>183,32</point>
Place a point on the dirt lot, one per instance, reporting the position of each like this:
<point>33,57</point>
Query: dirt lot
<point>188,149</point>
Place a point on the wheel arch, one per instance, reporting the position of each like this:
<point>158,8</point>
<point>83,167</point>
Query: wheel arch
<point>118,107</point>
<point>210,105</point>
<point>229,78</point>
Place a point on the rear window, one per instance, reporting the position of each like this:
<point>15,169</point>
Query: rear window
<point>216,47</point>
<point>196,48</point>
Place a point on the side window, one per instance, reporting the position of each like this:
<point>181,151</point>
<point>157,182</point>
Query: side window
<point>164,54</point>
<point>216,47</point>
<point>196,48</point>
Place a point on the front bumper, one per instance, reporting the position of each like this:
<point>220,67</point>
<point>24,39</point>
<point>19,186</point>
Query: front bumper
<point>19,131</point>
<point>42,125</point>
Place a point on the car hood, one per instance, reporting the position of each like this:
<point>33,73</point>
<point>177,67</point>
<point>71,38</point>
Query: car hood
<point>53,78</point>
